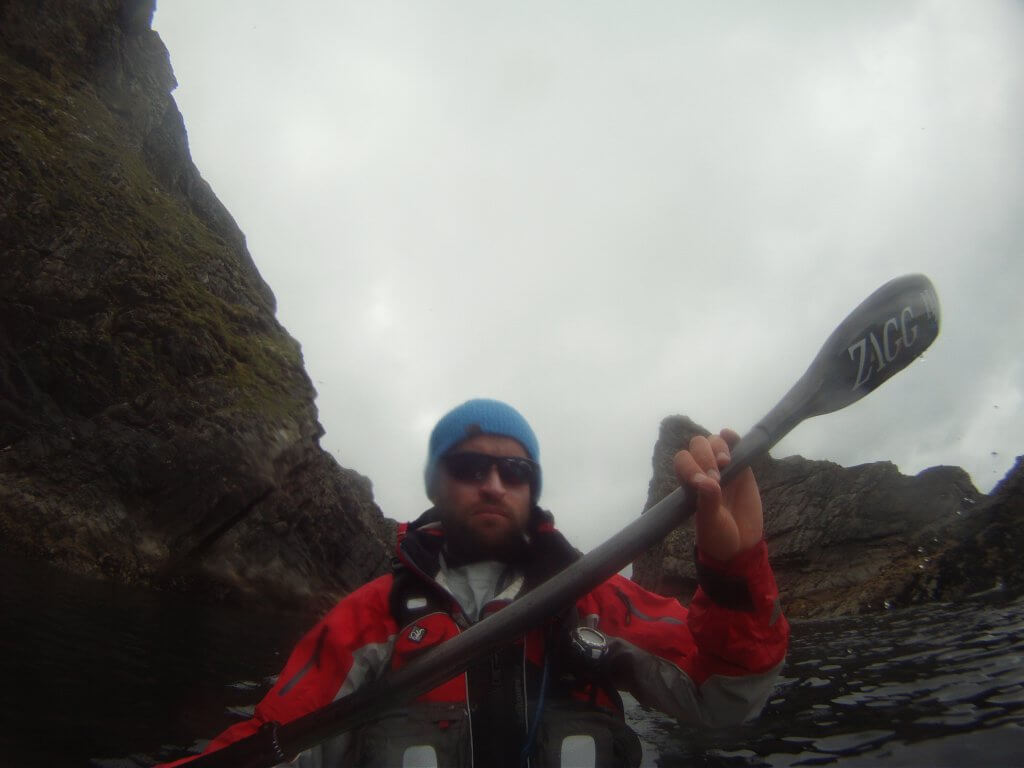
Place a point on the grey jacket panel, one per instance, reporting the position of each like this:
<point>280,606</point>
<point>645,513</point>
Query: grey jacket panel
<point>368,663</point>
<point>720,701</point>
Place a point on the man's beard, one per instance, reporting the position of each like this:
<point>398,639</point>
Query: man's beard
<point>463,544</point>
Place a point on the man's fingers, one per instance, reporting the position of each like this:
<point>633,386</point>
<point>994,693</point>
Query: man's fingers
<point>686,467</point>
<point>690,471</point>
<point>706,456</point>
<point>703,453</point>
<point>720,448</point>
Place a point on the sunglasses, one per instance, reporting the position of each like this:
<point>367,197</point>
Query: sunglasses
<point>474,467</point>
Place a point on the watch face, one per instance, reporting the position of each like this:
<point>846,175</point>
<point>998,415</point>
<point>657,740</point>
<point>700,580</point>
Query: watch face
<point>589,643</point>
<point>591,637</point>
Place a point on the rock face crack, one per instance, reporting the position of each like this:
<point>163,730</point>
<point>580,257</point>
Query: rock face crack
<point>205,541</point>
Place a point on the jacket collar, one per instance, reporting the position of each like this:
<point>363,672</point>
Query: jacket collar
<point>420,542</point>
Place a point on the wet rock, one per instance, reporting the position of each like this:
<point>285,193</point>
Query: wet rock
<point>156,422</point>
<point>982,551</point>
<point>850,539</point>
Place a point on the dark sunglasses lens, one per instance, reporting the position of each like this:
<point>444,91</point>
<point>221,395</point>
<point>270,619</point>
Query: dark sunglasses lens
<point>474,467</point>
<point>468,467</point>
<point>513,471</point>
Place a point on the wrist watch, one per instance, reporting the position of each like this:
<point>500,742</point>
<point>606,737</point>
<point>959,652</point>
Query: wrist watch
<point>588,643</point>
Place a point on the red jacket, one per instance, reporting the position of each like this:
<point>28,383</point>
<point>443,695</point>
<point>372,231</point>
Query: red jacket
<point>714,664</point>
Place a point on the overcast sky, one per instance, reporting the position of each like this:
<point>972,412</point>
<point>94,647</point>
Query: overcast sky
<point>607,213</point>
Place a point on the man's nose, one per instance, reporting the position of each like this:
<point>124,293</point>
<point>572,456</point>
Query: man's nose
<point>492,483</point>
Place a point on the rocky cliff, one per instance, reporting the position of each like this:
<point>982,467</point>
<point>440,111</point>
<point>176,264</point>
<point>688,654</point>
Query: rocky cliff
<point>156,422</point>
<point>846,540</point>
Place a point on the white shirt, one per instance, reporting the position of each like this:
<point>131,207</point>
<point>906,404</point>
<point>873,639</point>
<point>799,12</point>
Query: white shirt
<point>476,584</point>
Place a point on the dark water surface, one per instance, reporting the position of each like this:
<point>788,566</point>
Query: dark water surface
<point>938,685</point>
<point>98,670</point>
<point>103,675</point>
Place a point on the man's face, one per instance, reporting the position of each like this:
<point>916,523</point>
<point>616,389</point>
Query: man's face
<point>486,519</point>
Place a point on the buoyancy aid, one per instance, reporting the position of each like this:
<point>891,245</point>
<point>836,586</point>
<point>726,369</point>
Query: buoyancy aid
<point>581,722</point>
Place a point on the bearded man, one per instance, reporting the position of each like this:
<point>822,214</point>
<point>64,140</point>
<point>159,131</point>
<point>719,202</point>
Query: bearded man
<point>550,698</point>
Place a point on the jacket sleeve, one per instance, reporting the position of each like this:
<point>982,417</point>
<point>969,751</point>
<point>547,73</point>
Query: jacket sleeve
<point>713,665</point>
<point>350,646</point>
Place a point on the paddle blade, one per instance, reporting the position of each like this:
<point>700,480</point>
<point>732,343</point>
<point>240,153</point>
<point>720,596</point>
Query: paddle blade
<point>886,333</point>
<point>882,336</point>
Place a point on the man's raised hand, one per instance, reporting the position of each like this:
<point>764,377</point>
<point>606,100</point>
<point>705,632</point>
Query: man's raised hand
<point>729,521</point>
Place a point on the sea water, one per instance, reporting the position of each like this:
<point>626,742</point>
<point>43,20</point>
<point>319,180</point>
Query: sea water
<point>937,685</point>
<point>103,675</point>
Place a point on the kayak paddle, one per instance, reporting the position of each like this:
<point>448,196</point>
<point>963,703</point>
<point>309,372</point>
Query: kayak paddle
<point>881,337</point>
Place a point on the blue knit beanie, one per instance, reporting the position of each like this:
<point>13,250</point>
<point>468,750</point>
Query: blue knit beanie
<point>479,417</point>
